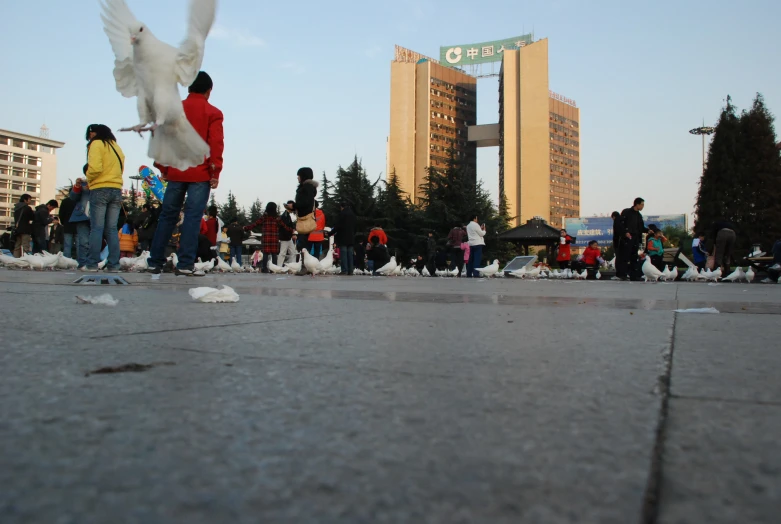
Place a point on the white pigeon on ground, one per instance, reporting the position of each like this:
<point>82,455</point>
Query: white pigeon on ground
<point>328,260</point>
<point>311,263</point>
<point>750,274</point>
<point>425,272</point>
<point>223,266</point>
<point>277,269</point>
<point>235,267</point>
<point>569,274</point>
<point>612,263</point>
<point>150,70</point>
<point>687,274</point>
<point>33,261</point>
<point>735,276</point>
<point>175,260</point>
<point>650,271</point>
<point>10,261</point>
<point>583,275</point>
<point>397,272</point>
<point>453,273</point>
<point>598,276</point>
<point>555,274</point>
<point>204,266</point>
<point>295,267</point>
<point>673,276</point>
<point>127,262</point>
<point>499,274</point>
<point>489,271</point>
<point>665,273</point>
<point>64,262</point>
<point>534,273</point>
<point>518,273</point>
<point>50,260</point>
<point>716,274</point>
<point>388,268</point>
<point>102,264</point>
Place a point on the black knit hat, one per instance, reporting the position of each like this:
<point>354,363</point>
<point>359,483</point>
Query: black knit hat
<point>306,173</point>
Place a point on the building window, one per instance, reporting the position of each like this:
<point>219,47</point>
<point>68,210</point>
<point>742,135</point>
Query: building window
<point>18,143</point>
<point>33,161</point>
<point>19,159</point>
<point>32,147</point>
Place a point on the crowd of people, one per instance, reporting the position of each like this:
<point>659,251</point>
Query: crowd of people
<point>93,222</point>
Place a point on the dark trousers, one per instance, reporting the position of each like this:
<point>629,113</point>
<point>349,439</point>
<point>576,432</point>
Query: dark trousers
<point>626,260</point>
<point>265,260</point>
<point>457,258</point>
<point>563,264</point>
<point>475,258</point>
<point>658,262</point>
<point>722,254</point>
<point>346,259</point>
<point>431,264</point>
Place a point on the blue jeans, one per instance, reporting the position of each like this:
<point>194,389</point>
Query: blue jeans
<point>82,242</point>
<point>370,265</point>
<point>475,258</point>
<point>104,203</point>
<point>236,253</point>
<point>346,254</point>
<point>316,249</point>
<point>197,194</point>
<point>67,244</point>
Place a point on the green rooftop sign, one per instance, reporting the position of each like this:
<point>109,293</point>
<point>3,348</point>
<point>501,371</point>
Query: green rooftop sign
<point>482,53</point>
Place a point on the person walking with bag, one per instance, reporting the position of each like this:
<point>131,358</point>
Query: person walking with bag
<point>105,165</point>
<point>305,205</point>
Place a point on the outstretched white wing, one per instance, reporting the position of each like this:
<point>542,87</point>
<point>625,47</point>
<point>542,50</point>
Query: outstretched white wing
<point>117,21</point>
<point>190,55</point>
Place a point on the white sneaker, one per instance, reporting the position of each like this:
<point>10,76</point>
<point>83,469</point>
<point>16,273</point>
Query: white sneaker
<point>189,272</point>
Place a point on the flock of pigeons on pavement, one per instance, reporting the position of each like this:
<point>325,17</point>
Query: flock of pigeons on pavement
<point>310,265</point>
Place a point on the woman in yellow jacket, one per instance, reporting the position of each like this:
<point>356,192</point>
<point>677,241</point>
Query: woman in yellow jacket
<point>128,240</point>
<point>104,168</point>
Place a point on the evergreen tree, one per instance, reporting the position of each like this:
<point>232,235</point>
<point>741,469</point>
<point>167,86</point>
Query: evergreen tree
<point>353,186</point>
<point>760,218</point>
<point>213,202</point>
<point>230,210</point>
<point>327,204</point>
<point>720,190</point>
<point>255,211</point>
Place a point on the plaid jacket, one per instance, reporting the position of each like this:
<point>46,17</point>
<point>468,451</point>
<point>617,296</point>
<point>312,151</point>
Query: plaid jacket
<point>269,228</point>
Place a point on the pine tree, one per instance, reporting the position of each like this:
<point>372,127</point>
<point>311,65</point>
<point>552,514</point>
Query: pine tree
<point>760,220</point>
<point>255,211</point>
<point>327,204</point>
<point>230,210</point>
<point>720,191</point>
<point>353,186</point>
<point>213,202</point>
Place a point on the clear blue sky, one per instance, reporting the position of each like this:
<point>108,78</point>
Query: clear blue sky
<point>307,82</point>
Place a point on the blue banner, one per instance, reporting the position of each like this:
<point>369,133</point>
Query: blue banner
<point>586,229</point>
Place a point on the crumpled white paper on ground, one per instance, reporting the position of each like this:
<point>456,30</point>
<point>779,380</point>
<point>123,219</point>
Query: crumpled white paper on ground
<point>102,300</point>
<point>212,295</point>
<point>698,310</point>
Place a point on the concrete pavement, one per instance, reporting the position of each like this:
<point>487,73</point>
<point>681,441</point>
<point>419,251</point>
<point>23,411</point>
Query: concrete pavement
<point>389,400</point>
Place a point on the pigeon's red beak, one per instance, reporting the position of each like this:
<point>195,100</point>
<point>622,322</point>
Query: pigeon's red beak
<point>132,39</point>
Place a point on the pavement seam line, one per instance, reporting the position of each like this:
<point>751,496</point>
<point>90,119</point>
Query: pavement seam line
<point>653,488</point>
<point>232,324</point>
<point>772,403</point>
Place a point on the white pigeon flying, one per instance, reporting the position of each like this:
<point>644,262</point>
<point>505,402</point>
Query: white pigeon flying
<point>235,267</point>
<point>277,269</point>
<point>489,271</point>
<point>650,271</point>
<point>750,274</point>
<point>311,263</point>
<point>150,70</point>
<point>388,268</point>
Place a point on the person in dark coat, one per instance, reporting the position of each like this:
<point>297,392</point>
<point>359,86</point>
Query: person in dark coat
<point>345,236</point>
<point>23,223</point>
<point>305,200</point>
<point>68,230</point>
<point>431,253</point>
<point>359,257</point>
<point>616,216</point>
<point>378,255</point>
<point>632,229</point>
<point>40,223</point>
<point>724,234</point>
<point>55,236</point>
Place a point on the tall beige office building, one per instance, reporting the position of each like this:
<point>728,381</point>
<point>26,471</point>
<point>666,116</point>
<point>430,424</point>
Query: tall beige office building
<point>538,134</point>
<point>539,146</point>
<point>28,164</point>
<point>432,107</point>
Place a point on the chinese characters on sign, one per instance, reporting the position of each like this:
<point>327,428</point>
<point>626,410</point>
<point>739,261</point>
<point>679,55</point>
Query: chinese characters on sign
<point>485,52</point>
<point>562,98</point>
<point>586,229</point>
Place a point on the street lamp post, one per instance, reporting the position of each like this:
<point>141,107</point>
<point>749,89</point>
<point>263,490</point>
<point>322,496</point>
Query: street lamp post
<point>702,131</point>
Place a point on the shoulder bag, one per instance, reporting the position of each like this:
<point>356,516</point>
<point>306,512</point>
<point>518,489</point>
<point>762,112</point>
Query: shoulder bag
<point>306,224</point>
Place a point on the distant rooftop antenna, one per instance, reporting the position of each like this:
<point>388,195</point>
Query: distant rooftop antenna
<point>44,131</point>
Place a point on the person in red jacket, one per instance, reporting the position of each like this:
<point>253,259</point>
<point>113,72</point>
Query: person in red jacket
<point>195,183</point>
<point>379,234</point>
<point>317,236</point>
<point>565,254</point>
<point>592,255</point>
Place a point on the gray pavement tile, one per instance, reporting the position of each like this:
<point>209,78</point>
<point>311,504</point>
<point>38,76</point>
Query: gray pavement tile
<point>722,463</point>
<point>727,357</point>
